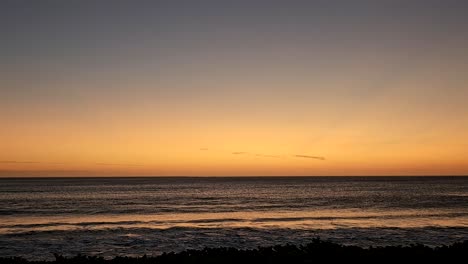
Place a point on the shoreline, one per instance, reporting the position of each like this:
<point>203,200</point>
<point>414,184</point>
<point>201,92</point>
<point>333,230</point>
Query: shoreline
<point>317,250</point>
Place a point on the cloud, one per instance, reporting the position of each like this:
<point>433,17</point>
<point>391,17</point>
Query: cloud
<point>37,162</point>
<point>254,154</point>
<point>271,155</point>
<point>116,164</point>
<point>239,153</point>
<point>309,157</point>
<point>267,156</point>
<point>17,162</point>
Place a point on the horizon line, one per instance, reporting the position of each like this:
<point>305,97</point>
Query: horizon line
<point>248,176</point>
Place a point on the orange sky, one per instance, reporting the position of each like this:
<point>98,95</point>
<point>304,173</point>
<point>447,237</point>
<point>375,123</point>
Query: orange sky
<point>240,93</point>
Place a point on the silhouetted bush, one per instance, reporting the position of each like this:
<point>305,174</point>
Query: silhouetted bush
<point>317,251</point>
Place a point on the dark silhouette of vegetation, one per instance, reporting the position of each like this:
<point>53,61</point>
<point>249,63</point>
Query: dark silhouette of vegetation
<point>317,251</point>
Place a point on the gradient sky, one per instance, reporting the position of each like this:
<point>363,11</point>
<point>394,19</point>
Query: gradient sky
<point>203,88</point>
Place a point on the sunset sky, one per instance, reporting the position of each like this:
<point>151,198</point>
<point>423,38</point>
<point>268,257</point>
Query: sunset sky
<point>226,88</point>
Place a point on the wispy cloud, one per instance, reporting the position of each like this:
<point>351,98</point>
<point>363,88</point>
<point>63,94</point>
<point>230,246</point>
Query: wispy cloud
<point>309,157</point>
<point>116,164</point>
<point>17,162</point>
<point>239,153</point>
<point>267,156</point>
<point>37,162</point>
<point>255,154</point>
<point>272,155</point>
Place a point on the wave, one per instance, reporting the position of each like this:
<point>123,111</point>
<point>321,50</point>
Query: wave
<point>220,220</point>
<point>289,221</point>
<point>140,241</point>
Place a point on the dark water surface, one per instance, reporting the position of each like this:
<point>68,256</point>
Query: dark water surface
<point>136,216</point>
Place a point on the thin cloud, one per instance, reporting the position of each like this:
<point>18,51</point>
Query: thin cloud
<point>37,162</point>
<point>117,164</point>
<point>239,153</point>
<point>267,156</point>
<point>17,162</point>
<point>309,157</point>
<point>271,156</point>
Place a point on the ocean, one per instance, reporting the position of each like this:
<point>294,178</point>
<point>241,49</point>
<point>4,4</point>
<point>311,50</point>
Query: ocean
<point>135,216</point>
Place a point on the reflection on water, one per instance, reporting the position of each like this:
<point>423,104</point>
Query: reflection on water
<point>318,219</point>
<point>97,215</point>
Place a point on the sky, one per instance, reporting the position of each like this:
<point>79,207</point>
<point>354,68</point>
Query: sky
<point>233,88</point>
